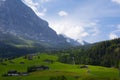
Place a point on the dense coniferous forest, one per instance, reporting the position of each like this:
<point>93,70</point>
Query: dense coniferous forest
<point>106,53</point>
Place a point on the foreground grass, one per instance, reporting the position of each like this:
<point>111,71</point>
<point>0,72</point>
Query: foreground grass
<point>71,72</point>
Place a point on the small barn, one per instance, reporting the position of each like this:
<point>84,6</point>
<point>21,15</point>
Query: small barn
<point>42,67</point>
<point>13,73</point>
<point>84,66</point>
<point>24,74</point>
<point>37,68</point>
<point>48,61</point>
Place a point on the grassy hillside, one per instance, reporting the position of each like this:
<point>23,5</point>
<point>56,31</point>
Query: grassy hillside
<point>57,70</point>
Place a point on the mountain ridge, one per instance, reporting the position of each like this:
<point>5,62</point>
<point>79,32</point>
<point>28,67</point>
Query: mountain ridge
<point>18,19</point>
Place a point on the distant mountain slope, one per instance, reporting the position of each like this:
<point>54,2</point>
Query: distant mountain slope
<point>19,20</point>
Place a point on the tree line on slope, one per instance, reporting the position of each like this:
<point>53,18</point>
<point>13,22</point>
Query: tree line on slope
<point>105,53</point>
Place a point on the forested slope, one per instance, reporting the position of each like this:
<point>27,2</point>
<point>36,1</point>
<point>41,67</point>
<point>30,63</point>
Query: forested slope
<point>106,53</point>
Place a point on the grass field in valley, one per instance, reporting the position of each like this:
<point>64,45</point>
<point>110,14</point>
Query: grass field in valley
<point>57,69</point>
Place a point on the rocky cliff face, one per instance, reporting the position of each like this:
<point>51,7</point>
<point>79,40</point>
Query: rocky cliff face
<point>18,19</point>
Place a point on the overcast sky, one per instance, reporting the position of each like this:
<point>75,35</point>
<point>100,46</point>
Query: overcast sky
<point>89,20</point>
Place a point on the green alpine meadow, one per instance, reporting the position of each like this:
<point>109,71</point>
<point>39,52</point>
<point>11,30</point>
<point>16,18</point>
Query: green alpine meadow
<point>57,70</point>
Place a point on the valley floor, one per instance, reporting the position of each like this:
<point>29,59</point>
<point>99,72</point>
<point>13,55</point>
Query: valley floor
<point>57,70</point>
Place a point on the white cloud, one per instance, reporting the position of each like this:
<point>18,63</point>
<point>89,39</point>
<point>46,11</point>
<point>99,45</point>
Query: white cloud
<point>95,31</point>
<point>76,32</point>
<point>113,36</point>
<point>93,28</point>
<point>44,10</point>
<point>35,6</point>
<point>74,29</point>
<point>118,27</point>
<point>116,33</point>
<point>62,13</point>
<point>45,1</point>
<point>116,1</point>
